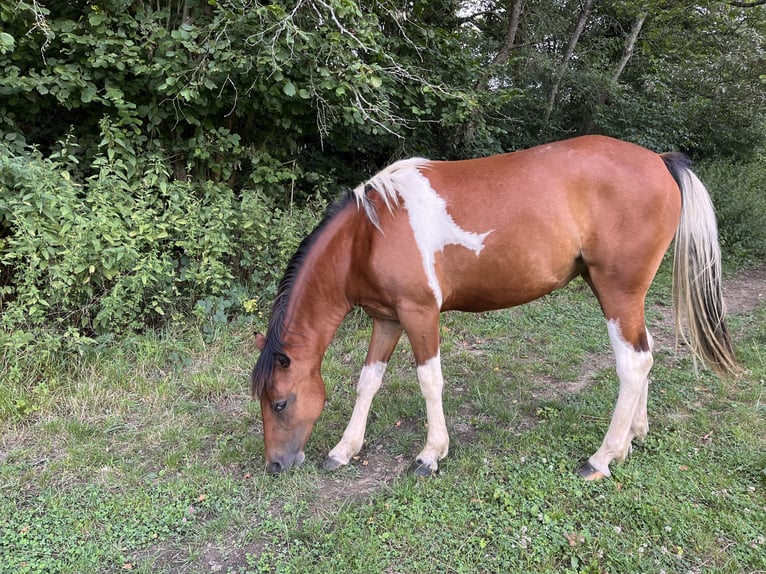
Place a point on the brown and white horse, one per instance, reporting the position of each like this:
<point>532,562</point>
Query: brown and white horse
<point>422,237</point>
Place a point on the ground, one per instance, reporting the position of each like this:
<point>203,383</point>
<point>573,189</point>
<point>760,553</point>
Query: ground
<point>376,467</point>
<point>746,290</point>
<point>742,292</point>
<point>379,466</point>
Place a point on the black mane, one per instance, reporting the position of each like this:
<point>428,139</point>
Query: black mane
<point>261,378</point>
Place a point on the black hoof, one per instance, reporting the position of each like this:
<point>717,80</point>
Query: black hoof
<point>421,469</point>
<point>331,464</point>
<point>589,472</point>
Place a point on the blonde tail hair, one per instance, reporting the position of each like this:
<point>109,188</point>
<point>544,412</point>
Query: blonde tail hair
<point>697,290</point>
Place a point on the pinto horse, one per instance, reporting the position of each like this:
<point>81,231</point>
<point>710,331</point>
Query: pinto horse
<point>422,237</point>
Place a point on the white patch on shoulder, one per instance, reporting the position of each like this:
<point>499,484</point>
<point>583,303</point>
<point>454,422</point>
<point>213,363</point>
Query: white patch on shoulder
<point>432,225</point>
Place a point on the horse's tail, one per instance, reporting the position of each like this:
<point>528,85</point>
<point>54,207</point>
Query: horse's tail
<point>697,291</point>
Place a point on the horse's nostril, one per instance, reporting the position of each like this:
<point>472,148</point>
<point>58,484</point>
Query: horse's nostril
<point>274,467</point>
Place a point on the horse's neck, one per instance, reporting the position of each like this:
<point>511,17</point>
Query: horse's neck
<point>320,301</point>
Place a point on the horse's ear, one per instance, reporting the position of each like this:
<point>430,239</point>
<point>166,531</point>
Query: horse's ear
<point>260,341</point>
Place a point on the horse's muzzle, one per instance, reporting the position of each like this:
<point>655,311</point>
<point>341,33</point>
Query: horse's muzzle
<point>285,462</point>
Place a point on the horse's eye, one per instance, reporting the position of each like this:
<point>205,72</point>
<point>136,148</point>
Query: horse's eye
<point>283,361</point>
<point>279,406</point>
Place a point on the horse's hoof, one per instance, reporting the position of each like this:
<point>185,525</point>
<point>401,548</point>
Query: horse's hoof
<point>589,472</point>
<point>331,463</point>
<point>422,470</point>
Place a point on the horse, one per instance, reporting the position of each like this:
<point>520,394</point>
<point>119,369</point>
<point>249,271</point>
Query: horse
<point>423,237</point>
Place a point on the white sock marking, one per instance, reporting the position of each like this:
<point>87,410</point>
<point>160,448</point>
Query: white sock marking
<point>370,380</point>
<point>431,385</point>
<point>632,369</point>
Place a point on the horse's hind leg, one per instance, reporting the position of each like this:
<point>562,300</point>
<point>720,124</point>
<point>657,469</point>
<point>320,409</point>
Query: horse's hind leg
<point>640,426</point>
<point>632,346</point>
<point>385,335</point>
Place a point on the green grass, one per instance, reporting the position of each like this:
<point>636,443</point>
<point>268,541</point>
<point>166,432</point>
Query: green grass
<point>146,456</point>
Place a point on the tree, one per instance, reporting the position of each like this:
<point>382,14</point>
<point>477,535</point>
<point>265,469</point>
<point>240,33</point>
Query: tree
<point>499,60</point>
<point>217,90</point>
<point>294,96</point>
<point>562,68</point>
<point>627,53</point>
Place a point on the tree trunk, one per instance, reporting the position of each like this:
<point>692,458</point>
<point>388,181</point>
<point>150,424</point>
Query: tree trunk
<point>502,56</point>
<point>630,44</point>
<point>500,59</point>
<point>627,53</point>
<point>586,6</point>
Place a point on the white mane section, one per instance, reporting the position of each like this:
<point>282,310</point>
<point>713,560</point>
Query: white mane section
<point>387,183</point>
<point>431,223</point>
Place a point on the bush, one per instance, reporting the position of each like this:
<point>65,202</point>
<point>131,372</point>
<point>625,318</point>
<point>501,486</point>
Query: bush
<point>106,255</point>
<point>81,262</point>
<point>737,192</point>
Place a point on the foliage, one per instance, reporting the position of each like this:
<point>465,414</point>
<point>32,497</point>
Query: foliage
<point>691,84</point>
<point>107,254</point>
<point>216,90</point>
<point>737,192</point>
<point>161,158</point>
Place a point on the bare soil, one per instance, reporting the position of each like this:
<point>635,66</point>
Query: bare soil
<point>746,291</point>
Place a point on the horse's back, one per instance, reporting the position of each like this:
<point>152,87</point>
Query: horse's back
<point>503,230</point>
<point>588,176</point>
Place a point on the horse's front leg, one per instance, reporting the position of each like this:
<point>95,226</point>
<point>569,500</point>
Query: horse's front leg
<point>385,335</point>
<point>422,326</point>
<point>437,441</point>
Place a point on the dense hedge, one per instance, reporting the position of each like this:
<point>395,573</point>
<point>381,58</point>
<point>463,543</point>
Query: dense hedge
<point>737,190</point>
<point>107,255</point>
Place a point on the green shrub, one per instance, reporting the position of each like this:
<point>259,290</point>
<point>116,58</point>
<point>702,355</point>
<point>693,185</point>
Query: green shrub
<point>738,194</point>
<point>107,255</point>
<point>81,262</point>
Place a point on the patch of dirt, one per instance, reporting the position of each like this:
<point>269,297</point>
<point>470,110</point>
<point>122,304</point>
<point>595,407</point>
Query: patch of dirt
<point>742,293</point>
<point>223,556</point>
<point>745,291</point>
<point>369,472</point>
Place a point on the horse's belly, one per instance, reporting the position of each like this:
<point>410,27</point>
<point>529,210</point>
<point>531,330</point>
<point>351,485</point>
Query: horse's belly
<point>499,278</point>
<point>486,297</point>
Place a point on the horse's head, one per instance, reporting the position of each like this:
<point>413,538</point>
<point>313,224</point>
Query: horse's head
<point>292,396</point>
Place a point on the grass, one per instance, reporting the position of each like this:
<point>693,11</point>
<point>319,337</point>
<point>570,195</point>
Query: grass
<point>147,457</point>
